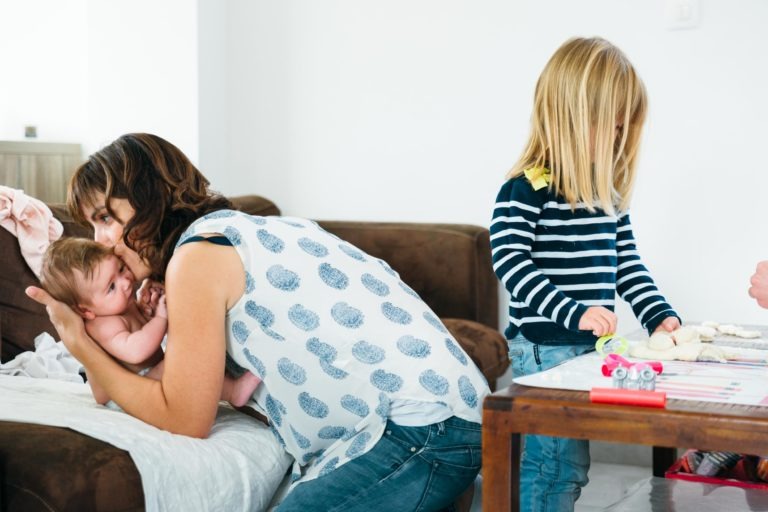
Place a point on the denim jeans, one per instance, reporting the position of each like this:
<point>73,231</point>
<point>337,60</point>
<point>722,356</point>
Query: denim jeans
<point>552,469</point>
<point>409,468</point>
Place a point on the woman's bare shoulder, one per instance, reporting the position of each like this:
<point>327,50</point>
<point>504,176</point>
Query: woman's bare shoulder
<point>207,270</point>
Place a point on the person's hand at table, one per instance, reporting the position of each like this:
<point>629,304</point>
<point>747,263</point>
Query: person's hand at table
<point>759,284</point>
<point>599,320</point>
<point>669,324</point>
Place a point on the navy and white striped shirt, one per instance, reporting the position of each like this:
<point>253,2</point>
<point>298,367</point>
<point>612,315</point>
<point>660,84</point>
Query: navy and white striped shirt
<point>556,262</point>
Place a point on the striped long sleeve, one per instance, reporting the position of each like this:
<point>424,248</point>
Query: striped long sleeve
<point>557,261</point>
<point>634,283</point>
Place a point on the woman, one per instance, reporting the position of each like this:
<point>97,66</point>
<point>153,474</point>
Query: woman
<point>361,382</point>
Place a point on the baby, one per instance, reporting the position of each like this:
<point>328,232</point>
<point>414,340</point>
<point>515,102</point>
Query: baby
<point>100,287</point>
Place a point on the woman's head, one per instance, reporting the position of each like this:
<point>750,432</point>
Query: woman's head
<point>589,109</point>
<point>142,191</point>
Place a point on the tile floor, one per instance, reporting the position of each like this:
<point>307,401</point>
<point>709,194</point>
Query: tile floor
<point>608,483</point>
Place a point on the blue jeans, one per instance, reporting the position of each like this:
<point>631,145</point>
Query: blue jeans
<point>409,468</point>
<point>552,469</point>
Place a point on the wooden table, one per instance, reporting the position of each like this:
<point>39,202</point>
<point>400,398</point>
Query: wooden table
<point>519,409</point>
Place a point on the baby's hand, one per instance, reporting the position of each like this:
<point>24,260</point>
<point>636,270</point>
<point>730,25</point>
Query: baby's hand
<point>161,310</point>
<point>148,295</point>
<point>599,320</point>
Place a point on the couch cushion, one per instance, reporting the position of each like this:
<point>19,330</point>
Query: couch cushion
<point>21,318</point>
<point>56,469</point>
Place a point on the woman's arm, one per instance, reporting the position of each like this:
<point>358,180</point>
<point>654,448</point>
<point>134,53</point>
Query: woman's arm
<point>99,394</point>
<point>202,282</point>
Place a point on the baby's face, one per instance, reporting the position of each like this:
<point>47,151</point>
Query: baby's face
<point>110,288</point>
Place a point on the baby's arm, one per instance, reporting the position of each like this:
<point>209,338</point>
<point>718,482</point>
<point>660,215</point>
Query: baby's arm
<point>114,335</point>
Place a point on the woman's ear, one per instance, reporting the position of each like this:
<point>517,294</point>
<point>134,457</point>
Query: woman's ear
<point>85,312</point>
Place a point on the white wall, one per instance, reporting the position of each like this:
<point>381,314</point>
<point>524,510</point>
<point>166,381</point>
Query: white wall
<point>90,70</point>
<point>44,49</point>
<point>407,110</point>
<point>143,71</point>
<point>212,102</point>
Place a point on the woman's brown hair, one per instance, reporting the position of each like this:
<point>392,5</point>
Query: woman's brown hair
<point>164,188</point>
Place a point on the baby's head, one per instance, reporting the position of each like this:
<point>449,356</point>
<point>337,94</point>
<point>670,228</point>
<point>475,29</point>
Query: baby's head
<point>87,276</point>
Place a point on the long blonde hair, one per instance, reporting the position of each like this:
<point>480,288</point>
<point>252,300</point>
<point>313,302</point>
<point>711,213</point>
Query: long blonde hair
<point>587,90</point>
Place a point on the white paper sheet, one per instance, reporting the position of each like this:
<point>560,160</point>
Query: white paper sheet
<point>734,382</point>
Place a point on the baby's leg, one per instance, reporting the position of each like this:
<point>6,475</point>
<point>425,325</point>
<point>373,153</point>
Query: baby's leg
<point>238,391</point>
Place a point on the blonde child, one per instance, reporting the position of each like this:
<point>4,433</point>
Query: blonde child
<point>98,285</point>
<point>562,240</point>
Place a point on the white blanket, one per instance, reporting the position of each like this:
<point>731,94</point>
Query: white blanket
<point>238,467</point>
<point>50,360</point>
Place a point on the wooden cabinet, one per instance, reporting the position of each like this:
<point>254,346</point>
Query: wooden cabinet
<point>40,169</point>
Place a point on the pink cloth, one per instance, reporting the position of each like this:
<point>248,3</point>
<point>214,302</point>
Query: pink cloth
<point>31,221</point>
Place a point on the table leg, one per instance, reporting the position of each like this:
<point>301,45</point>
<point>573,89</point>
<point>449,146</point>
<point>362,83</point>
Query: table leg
<point>663,458</point>
<point>514,474</point>
<point>501,470</point>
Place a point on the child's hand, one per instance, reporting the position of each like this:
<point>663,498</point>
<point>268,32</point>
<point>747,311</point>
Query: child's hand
<point>161,310</point>
<point>599,320</point>
<point>669,324</point>
<point>148,296</point>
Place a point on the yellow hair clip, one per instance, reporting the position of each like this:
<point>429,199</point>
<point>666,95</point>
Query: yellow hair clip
<point>538,176</point>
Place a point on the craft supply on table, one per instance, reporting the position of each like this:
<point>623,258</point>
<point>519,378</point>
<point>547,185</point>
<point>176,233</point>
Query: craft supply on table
<point>637,397</point>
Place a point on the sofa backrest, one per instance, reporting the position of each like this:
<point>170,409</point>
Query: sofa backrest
<point>448,265</point>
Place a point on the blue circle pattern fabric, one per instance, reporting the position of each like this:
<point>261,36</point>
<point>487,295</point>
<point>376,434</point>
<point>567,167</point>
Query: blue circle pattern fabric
<point>337,337</point>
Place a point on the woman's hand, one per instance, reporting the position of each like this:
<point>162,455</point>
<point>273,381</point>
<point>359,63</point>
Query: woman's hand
<point>67,322</point>
<point>759,282</point>
<point>669,324</point>
<point>139,268</point>
<point>599,320</point>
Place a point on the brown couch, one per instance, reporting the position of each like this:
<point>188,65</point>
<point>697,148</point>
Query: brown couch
<point>57,469</point>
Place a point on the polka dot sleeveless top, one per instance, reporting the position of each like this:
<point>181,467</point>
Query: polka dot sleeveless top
<point>336,336</point>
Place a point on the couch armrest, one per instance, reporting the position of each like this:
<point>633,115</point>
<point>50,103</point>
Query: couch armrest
<point>485,346</point>
<point>448,265</point>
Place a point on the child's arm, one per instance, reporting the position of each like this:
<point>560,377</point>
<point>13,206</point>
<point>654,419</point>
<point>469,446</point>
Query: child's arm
<point>513,230</point>
<point>635,285</point>
<point>113,334</point>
